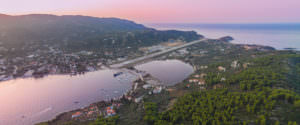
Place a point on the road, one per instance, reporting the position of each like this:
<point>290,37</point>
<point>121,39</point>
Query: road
<point>139,59</point>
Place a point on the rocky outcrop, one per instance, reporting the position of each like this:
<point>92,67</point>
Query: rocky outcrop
<point>226,38</point>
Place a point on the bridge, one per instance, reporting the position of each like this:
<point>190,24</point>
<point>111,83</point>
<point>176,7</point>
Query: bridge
<point>132,62</point>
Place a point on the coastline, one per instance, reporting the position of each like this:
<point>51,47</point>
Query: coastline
<point>124,99</point>
<point>212,42</point>
<point>103,67</point>
<point>131,96</point>
<point>277,35</point>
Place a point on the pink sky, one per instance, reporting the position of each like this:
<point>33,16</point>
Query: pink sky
<point>165,11</point>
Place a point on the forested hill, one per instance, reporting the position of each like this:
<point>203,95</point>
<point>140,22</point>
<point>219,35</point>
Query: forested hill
<point>60,23</point>
<point>80,32</point>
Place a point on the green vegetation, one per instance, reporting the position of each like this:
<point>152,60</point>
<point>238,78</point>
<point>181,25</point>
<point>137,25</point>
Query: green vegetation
<point>261,89</point>
<point>298,68</point>
<point>213,78</point>
<point>34,42</point>
<point>258,94</point>
<point>106,121</point>
<point>76,33</point>
<point>151,112</point>
<point>256,78</point>
<point>215,107</point>
<point>259,97</point>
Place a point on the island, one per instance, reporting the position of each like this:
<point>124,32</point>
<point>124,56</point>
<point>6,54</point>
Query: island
<point>230,83</point>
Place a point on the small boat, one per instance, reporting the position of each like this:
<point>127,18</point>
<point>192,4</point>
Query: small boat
<point>117,74</point>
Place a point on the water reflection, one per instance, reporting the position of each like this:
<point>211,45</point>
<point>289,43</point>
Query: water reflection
<point>27,101</point>
<point>30,100</point>
<point>169,71</point>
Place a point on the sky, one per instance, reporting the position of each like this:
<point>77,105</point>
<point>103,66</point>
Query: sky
<point>164,11</point>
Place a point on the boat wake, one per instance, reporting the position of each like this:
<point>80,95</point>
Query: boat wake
<point>42,112</point>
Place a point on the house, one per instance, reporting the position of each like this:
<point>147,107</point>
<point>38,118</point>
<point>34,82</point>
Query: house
<point>29,73</point>
<point>93,108</point>
<point>223,79</point>
<point>90,113</point>
<point>202,75</point>
<point>203,52</point>
<point>139,99</point>
<point>85,52</point>
<point>247,47</point>
<point>147,86</point>
<point>188,86</point>
<point>183,51</point>
<point>201,82</point>
<point>155,48</point>
<point>196,76</point>
<point>76,114</point>
<point>203,67</point>
<point>30,56</point>
<point>221,68</point>
<point>128,98</point>
<point>218,86</point>
<point>193,80</point>
<point>234,64</point>
<point>245,65</point>
<point>89,68</point>
<point>170,90</point>
<point>157,90</point>
<point>110,111</point>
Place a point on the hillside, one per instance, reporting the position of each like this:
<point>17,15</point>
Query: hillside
<point>47,27</point>
<point>42,44</point>
<point>231,85</point>
<point>80,32</point>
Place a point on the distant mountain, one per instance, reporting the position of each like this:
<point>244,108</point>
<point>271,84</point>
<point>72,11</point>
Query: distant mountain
<point>52,21</point>
<point>37,27</point>
<point>80,32</point>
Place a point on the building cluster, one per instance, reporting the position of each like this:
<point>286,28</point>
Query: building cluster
<point>40,64</point>
<point>50,60</point>
<point>93,111</point>
<point>147,85</point>
<point>198,79</point>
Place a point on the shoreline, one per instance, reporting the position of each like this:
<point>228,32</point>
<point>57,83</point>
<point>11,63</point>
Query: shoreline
<point>130,96</point>
<point>107,102</point>
<point>51,74</point>
<point>257,46</point>
<point>123,99</point>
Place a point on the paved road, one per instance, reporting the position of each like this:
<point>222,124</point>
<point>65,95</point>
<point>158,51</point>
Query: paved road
<point>133,61</point>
